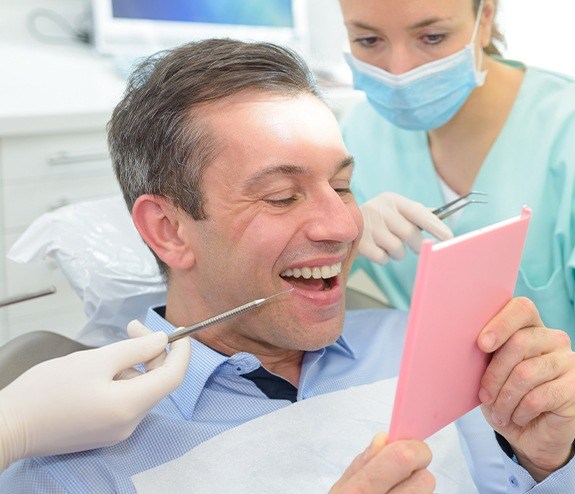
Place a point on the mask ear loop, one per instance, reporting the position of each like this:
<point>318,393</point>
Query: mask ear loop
<point>477,21</point>
<point>479,74</point>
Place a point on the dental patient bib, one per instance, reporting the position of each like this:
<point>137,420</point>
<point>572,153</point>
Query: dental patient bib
<point>304,447</point>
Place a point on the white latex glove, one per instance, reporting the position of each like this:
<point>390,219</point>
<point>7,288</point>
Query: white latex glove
<point>391,221</point>
<point>88,399</point>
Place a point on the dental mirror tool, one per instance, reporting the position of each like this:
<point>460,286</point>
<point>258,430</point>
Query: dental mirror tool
<point>188,330</point>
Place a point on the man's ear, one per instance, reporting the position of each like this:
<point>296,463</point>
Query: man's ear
<point>161,226</point>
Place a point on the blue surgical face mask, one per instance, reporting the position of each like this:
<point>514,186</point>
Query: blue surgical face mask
<point>426,97</point>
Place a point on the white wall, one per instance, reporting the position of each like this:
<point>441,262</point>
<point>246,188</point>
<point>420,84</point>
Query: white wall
<point>327,33</point>
<point>540,33</point>
<point>14,15</point>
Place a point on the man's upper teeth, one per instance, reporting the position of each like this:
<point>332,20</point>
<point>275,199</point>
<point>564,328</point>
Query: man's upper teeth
<point>315,272</point>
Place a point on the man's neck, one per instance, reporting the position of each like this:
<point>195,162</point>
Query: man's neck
<point>283,363</point>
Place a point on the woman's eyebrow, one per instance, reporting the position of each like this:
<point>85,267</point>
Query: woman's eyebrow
<point>362,25</point>
<point>427,22</point>
<point>417,25</point>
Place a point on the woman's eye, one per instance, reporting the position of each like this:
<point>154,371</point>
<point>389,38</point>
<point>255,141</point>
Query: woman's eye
<point>367,41</point>
<point>433,39</point>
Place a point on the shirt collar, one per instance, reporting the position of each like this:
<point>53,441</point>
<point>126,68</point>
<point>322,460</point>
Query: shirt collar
<point>344,346</point>
<point>206,361</point>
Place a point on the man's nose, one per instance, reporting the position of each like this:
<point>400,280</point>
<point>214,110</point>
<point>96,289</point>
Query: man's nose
<point>332,219</point>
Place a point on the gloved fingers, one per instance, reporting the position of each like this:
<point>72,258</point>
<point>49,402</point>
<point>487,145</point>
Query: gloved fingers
<point>369,250</point>
<point>152,386</point>
<point>124,354</point>
<point>125,374</point>
<point>368,247</point>
<point>403,231</point>
<point>432,224</point>
<point>135,330</point>
<point>373,221</point>
<point>387,228</point>
<point>391,242</point>
<point>422,217</point>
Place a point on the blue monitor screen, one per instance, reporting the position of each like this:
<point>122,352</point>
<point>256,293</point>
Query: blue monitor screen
<point>272,13</point>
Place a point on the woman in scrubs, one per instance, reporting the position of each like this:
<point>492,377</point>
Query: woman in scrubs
<point>445,115</point>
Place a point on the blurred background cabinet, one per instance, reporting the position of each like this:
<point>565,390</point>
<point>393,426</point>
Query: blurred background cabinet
<point>56,97</point>
<point>52,152</point>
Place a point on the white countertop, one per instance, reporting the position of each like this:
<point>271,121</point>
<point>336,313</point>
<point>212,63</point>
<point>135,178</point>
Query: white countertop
<point>51,88</point>
<point>46,88</point>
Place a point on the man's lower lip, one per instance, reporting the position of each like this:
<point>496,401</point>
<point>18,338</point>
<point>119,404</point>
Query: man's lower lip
<point>331,296</point>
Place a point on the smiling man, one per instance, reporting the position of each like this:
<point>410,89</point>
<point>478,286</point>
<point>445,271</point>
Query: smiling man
<point>238,180</point>
<point>279,213</point>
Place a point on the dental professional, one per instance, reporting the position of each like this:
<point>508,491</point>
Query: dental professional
<point>445,115</point>
<point>88,399</point>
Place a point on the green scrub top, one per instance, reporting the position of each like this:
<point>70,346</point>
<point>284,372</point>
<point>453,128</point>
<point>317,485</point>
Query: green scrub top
<point>531,163</point>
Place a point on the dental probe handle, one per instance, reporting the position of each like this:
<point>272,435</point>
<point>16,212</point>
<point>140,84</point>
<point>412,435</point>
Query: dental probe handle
<point>188,330</point>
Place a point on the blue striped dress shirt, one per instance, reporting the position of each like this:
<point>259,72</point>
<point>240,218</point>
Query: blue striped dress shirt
<point>214,397</point>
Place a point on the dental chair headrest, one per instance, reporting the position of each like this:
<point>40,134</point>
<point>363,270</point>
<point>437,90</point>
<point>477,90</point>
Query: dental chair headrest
<point>101,254</point>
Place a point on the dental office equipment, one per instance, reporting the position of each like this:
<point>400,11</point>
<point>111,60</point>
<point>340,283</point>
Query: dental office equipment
<point>188,330</point>
<point>29,296</point>
<point>448,209</point>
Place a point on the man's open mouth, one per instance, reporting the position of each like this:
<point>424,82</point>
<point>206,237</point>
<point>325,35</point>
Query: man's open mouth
<point>313,278</point>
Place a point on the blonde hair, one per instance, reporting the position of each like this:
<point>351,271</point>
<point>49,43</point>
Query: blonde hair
<point>497,38</point>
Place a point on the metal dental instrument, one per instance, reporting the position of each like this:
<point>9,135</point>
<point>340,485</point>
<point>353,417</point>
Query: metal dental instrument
<point>188,330</point>
<point>28,296</point>
<point>451,207</point>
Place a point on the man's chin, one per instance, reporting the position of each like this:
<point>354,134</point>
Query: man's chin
<point>319,339</point>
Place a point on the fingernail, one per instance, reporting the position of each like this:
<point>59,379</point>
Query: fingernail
<point>488,341</point>
<point>484,396</point>
<point>376,444</point>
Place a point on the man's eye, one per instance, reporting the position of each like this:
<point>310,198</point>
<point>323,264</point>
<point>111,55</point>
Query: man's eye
<point>281,202</point>
<point>343,191</point>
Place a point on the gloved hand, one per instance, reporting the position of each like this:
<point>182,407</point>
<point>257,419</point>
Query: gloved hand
<point>88,399</point>
<point>391,221</point>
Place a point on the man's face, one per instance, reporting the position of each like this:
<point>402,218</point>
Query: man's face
<point>279,209</point>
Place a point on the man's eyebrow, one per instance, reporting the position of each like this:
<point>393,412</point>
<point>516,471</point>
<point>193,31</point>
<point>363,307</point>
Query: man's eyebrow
<point>277,170</point>
<point>347,162</point>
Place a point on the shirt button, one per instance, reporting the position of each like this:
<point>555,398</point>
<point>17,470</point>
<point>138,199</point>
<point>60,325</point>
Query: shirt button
<point>513,481</point>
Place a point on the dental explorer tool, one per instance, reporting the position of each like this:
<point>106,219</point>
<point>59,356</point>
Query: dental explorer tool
<point>188,330</point>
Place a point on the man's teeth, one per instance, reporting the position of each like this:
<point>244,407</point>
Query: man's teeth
<point>324,272</point>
